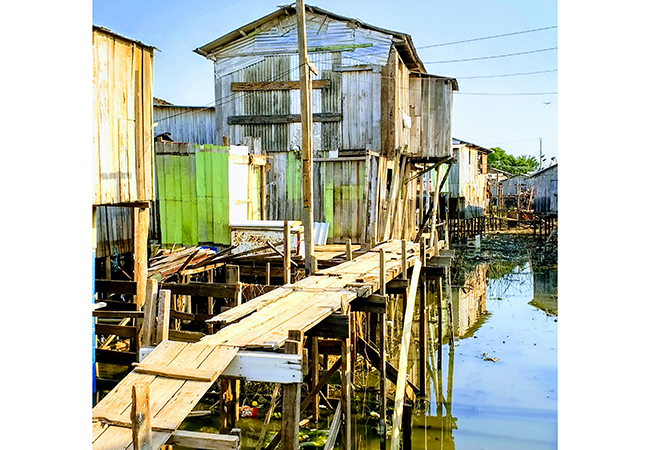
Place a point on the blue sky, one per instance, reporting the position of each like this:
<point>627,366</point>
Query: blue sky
<point>513,122</point>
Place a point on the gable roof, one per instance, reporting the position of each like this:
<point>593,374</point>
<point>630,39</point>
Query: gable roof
<point>402,41</point>
<point>469,144</point>
<point>113,33</point>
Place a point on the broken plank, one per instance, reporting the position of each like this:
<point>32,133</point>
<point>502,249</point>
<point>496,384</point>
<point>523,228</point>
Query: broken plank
<point>207,441</point>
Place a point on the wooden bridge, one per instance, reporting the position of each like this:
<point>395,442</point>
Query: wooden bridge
<point>171,380</point>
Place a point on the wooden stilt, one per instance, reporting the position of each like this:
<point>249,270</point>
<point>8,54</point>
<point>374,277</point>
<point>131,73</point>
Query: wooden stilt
<point>210,302</point>
<point>314,368</point>
<point>348,249</point>
<point>439,292</point>
<point>164,302</point>
<point>269,414</point>
<point>346,385</point>
<point>287,253</point>
<point>406,426</point>
<point>291,398</point>
<point>225,403</point>
<point>382,354</point>
<point>140,254</point>
<point>400,386</point>
<point>268,274</point>
<point>140,417</point>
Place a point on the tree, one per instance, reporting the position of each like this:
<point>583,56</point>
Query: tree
<point>515,165</point>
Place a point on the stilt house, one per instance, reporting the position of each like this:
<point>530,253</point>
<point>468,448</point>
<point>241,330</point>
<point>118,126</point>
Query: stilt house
<point>122,149</point>
<point>467,186</point>
<point>545,190</point>
<point>380,121</point>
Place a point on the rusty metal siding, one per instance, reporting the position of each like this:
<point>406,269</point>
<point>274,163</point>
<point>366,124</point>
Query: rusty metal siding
<point>186,124</point>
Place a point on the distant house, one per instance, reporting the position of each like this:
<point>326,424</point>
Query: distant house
<point>545,193</point>
<point>516,193</point>
<point>378,118</point>
<point>467,188</point>
<point>187,124</point>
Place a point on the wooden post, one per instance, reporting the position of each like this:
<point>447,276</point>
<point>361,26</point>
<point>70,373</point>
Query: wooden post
<point>149,322</point>
<point>232,277</point>
<point>423,325</point>
<point>400,386</point>
<point>406,425</point>
<point>306,68</point>
<point>269,414</point>
<point>162,329</point>
<point>211,301</point>
<point>314,367</point>
<point>439,283</point>
<point>225,405</point>
<point>348,249</point>
<point>346,383</point>
<point>382,354</point>
<point>140,254</point>
<point>291,397</point>
<point>287,253</point>
<point>268,273</point>
<point>140,417</point>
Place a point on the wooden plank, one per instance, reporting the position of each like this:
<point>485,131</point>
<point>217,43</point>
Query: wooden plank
<point>207,441</point>
<point>185,336</point>
<point>118,314</point>
<point>176,372</point>
<point>117,330</point>
<point>140,417</point>
<point>334,326</point>
<point>334,428</point>
<point>115,357</point>
<point>266,119</point>
<point>403,358</point>
<point>194,288</point>
<point>250,307</point>
<point>116,287</point>
<point>164,301</point>
<point>149,313</point>
<point>275,85</point>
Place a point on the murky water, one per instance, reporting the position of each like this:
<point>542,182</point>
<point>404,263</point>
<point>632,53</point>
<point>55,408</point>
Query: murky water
<point>497,388</point>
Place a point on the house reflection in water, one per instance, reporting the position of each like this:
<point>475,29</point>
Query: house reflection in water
<point>545,290</point>
<point>468,301</point>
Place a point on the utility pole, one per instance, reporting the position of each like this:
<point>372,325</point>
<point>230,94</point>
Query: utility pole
<point>540,154</point>
<point>306,68</point>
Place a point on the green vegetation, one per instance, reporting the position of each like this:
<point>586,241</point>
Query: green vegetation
<point>515,165</point>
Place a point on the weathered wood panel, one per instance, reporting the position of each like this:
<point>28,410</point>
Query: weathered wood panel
<point>197,192</point>
<point>122,144</point>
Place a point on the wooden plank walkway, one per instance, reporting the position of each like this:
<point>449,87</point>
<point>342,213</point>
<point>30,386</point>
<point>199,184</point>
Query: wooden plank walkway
<point>179,374</point>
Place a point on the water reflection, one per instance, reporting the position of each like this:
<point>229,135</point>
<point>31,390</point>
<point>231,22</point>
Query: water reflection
<point>502,371</point>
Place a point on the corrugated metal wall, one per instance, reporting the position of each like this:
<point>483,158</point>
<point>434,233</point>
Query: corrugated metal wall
<point>545,195</point>
<point>466,180</point>
<point>186,124</point>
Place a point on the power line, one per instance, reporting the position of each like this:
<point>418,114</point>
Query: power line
<point>487,37</point>
<point>491,57</point>
<point>507,74</point>
<point>517,93</point>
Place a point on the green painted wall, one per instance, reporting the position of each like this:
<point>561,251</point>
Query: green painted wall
<point>193,196</point>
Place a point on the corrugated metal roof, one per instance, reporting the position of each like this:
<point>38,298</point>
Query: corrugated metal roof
<point>478,147</point>
<point>106,30</point>
<point>402,41</point>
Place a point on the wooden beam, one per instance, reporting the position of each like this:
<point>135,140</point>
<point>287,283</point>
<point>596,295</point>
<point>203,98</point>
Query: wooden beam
<point>116,287</point>
<point>140,417</point>
<point>141,260</point>
<point>177,372</point>
<point>219,290</point>
<point>115,357</point>
<point>185,336</point>
<point>122,331</point>
<point>382,353</point>
<point>276,119</point>
<point>207,441</point>
<point>287,253</point>
<point>403,357</point>
<point>275,85</point>
<point>118,314</point>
